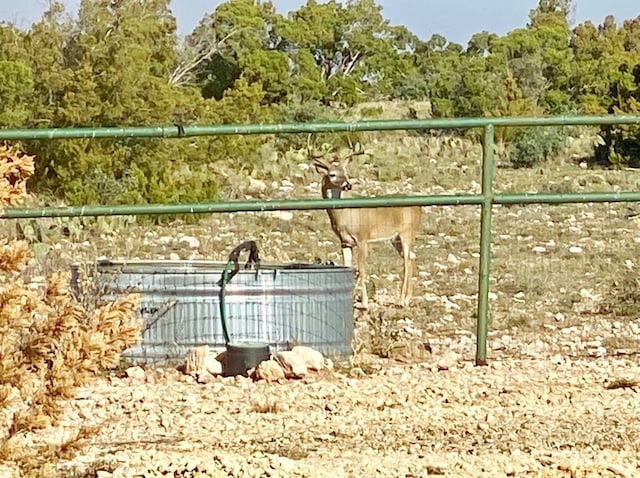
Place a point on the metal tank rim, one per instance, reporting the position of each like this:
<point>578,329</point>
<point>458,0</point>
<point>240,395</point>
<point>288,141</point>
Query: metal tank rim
<point>180,266</point>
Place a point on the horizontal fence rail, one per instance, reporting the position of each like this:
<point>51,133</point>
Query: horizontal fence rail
<point>333,126</point>
<point>314,204</point>
<point>486,200</point>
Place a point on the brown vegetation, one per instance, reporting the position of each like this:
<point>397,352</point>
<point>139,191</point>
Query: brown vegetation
<point>50,344</point>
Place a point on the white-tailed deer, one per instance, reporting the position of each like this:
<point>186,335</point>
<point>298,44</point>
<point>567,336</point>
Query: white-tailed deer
<point>359,227</point>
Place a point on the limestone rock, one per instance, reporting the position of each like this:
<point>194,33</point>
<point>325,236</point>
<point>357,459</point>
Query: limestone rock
<point>292,364</point>
<point>135,372</point>
<point>204,377</point>
<point>190,241</point>
<point>256,187</point>
<point>448,361</point>
<point>200,362</point>
<point>212,365</point>
<point>269,371</point>
<point>313,359</point>
<point>409,350</point>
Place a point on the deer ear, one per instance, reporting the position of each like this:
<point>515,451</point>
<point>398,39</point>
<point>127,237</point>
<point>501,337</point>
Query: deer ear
<point>321,167</point>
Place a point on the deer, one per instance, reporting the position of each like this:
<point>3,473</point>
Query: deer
<point>361,227</point>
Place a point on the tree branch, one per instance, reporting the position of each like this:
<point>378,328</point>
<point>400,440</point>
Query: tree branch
<point>201,53</point>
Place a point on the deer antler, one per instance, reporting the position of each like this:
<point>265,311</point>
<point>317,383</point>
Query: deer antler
<point>356,151</point>
<point>310,152</point>
<point>316,158</point>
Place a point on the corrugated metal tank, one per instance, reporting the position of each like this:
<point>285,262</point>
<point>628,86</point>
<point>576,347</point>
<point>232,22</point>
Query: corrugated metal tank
<point>278,304</point>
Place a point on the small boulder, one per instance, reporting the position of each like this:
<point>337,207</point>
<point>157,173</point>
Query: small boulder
<point>190,241</point>
<point>292,364</point>
<point>135,372</point>
<point>212,366</point>
<point>204,377</point>
<point>256,187</point>
<point>328,364</point>
<point>269,371</point>
<point>201,362</point>
<point>313,359</point>
<point>448,361</point>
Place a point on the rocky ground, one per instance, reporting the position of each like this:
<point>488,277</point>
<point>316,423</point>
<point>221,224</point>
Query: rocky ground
<point>520,416</point>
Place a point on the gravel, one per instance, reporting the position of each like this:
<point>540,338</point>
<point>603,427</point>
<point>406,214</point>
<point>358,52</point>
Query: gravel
<point>516,417</point>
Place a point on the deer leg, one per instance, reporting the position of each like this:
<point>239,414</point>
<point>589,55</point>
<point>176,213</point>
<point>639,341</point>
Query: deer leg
<point>362,263</point>
<point>347,256</point>
<point>407,289</point>
<point>401,247</point>
<point>404,249</point>
<point>398,244</point>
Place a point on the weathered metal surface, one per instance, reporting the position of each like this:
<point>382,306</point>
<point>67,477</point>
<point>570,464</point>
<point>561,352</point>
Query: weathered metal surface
<point>278,304</point>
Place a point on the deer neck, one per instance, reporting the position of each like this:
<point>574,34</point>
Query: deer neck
<point>332,193</point>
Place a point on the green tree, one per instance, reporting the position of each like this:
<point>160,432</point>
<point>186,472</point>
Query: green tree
<point>621,144</point>
<point>41,48</point>
<point>241,38</point>
<point>439,69</point>
<point>16,81</point>
<point>539,56</point>
<point>550,25</point>
<point>110,67</point>
<point>606,79</point>
<point>588,83</point>
<point>357,53</point>
<point>124,51</point>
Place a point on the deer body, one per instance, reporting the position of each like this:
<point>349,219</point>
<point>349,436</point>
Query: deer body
<point>360,227</point>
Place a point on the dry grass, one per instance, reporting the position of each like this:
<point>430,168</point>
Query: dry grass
<point>15,169</point>
<point>266,403</point>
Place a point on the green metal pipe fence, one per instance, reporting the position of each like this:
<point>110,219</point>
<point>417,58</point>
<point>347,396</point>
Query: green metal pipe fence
<point>337,126</point>
<point>486,200</point>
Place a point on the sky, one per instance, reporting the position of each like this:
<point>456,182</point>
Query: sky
<point>456,20</point>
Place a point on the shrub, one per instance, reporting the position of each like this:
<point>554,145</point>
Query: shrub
<point>535,145</point>
<point>50,344</point>
<point>621,146</point>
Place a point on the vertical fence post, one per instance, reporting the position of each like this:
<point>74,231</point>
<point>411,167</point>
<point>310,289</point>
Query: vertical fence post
<point>482,325</point>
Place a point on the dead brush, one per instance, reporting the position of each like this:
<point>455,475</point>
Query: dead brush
<point>266,404</point>
<point>51,344</point>
<point>387,333</point>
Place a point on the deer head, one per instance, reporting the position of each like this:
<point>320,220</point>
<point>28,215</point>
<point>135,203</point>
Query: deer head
<point>335,178</point>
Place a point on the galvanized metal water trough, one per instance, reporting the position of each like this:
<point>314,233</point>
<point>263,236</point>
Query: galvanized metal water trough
<point>278,304</point>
